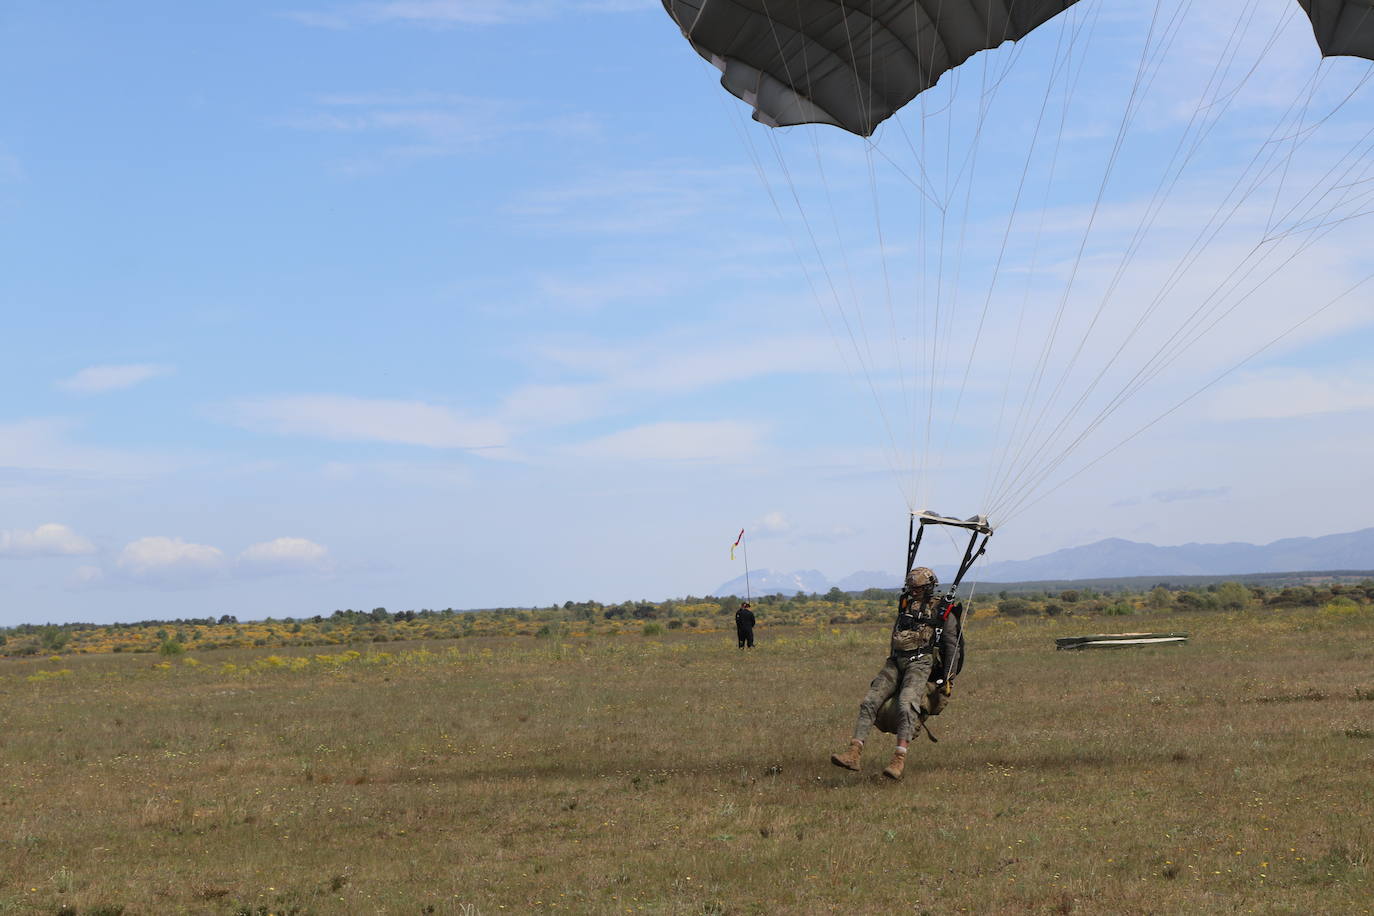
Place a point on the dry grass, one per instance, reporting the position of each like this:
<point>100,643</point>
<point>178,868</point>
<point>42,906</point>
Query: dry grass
<point>682,776</point>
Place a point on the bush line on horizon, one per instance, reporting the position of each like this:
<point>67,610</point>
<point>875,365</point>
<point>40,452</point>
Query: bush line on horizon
<point>580,620</point>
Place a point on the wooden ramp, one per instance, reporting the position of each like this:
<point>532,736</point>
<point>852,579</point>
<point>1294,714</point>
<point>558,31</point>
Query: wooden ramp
<point>1120,640</point>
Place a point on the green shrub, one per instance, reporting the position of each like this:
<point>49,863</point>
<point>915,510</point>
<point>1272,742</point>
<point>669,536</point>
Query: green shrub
<point>1015,607</point>
<point>1160,598</point>
<point>170,647</point>
<point>653,629</point>
<point>554,630</point>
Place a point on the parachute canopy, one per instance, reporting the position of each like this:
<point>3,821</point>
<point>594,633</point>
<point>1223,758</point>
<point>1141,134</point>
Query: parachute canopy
<point>854,64</point>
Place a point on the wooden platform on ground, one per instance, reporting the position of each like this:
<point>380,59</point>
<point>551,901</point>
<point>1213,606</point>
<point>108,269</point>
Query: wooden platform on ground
<point>1120,640</point>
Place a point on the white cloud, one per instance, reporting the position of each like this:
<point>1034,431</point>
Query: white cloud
<point>97,379</point>
<point>169,559</point>
<point>1282,394</point>
<point>720,441</point>
<point>349,419</point>
<point>51,540</point>
<point>284,555</point>
<point>174,562</point>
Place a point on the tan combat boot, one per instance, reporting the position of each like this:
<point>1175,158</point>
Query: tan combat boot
<point>850,758</point>
<point>894,769</point>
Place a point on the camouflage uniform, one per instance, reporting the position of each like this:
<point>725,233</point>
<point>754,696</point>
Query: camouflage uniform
<point>905,678</point>
<point>907,671</point>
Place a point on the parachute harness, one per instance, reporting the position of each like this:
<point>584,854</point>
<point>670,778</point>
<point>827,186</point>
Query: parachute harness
<point>978,527</point>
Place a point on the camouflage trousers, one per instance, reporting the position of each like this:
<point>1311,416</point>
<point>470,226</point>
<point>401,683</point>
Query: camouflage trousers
<point>905,678</point>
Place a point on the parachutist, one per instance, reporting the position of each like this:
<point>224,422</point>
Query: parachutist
<point>924,648</point>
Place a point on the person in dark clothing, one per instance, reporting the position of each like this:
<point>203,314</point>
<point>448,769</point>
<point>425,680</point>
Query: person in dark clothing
<point>744,626</point>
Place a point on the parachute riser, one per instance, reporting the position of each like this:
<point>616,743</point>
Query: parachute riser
<point>975,549</point>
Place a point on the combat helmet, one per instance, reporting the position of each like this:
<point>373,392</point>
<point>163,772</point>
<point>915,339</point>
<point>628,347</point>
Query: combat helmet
<point>921,583</point>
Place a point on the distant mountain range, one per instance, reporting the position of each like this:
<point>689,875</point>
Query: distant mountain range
<point>1110,558</point>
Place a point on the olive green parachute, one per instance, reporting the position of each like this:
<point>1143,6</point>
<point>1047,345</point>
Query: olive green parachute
<point>854,64</point>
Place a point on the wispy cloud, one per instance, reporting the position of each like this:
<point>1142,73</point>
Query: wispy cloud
<point>99,379</point>
<point>51,540</point>
<point>1281,394</point>
<point>710,441</point>
<point>283,556</point>
<point>349,419</point>
<point>674,365</point>
<point>614,379</point>
<point>450,13</point>
<point>629,201</point>
<point>1183,495</point>
<point>11,169</point>
<point>427,125</point>
<point>45,444</point>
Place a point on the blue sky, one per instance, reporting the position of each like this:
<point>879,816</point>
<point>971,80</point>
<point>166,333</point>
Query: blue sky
<point>465,303</point>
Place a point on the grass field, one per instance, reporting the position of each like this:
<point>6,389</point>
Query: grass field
<point>679,775</point>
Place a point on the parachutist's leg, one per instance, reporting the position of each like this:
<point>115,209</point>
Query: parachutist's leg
<point>913,690</point>
<point>882,687</point>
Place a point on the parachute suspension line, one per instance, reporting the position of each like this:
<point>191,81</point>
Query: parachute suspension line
<point>888,300</point>
<point>863,355</point>
<point>1072,77</point>
<point>1029,394</point>
<point>1283,176</point>
<point>895,337</point>
<point>970,165</point>
<point>921,476</point>
<point>736,118</point>
<point>1272,224</point>
<point>1148,66</point>
<point>854,298</point>
<point>1167,183</point>
<point>1134,385</point>
<point>843,250</point>
<point>1006,237</point>
<point>1025,505</point>
<point>1005,459</point>
<point>899,361</point>
<point>1348,96</point>
<point>839,307</point>
<point>1215,315</point>
<point>859,353</point>
<point>1169,178</point>
<point>1205,318</point>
